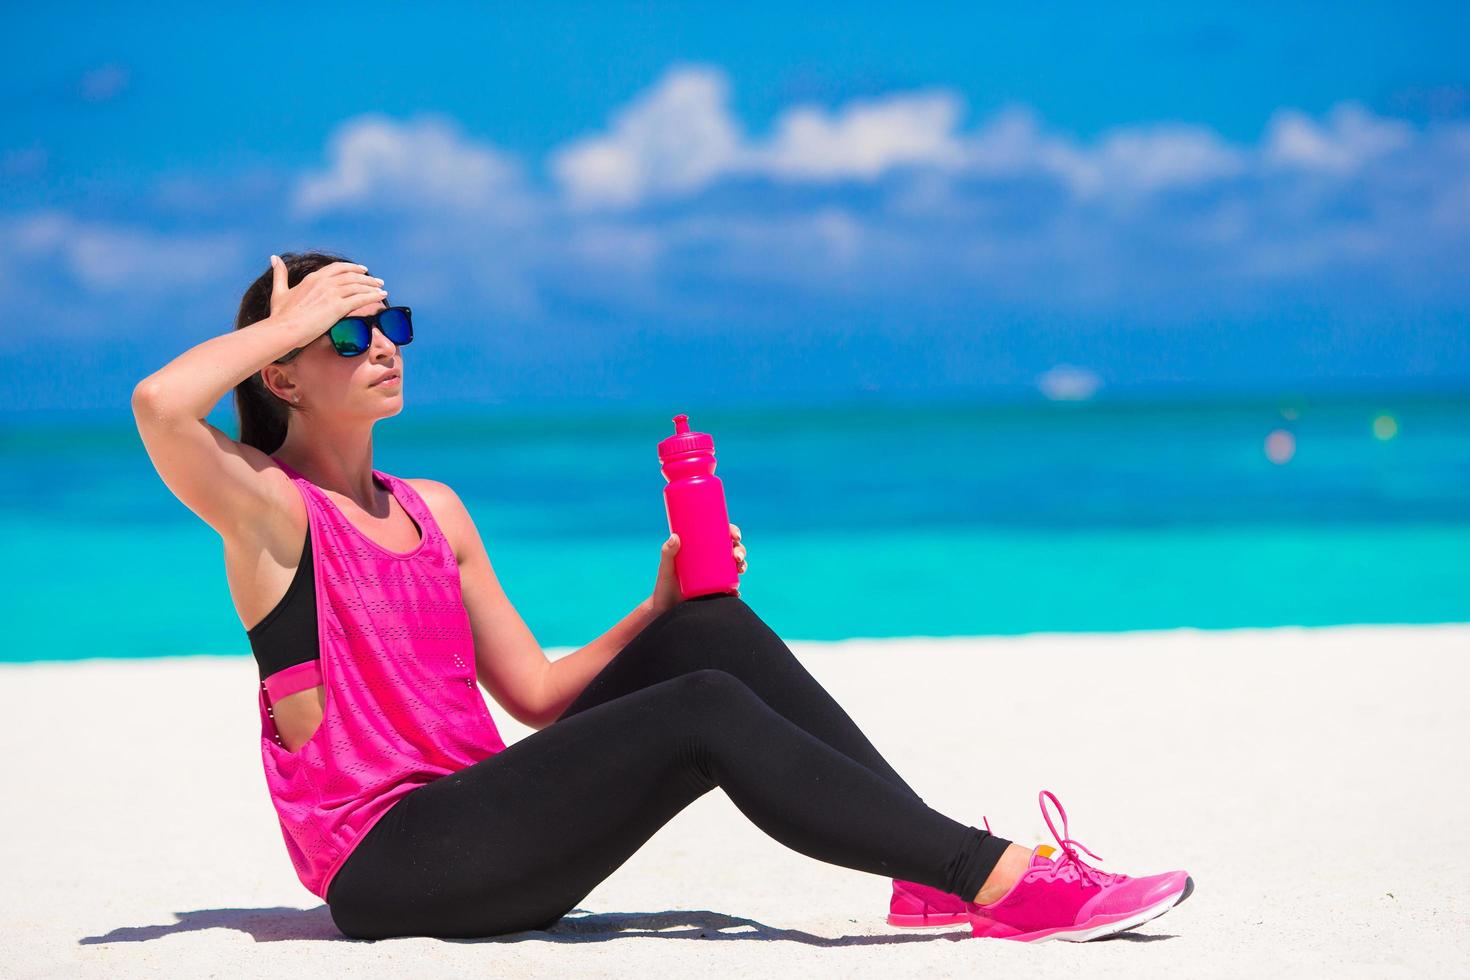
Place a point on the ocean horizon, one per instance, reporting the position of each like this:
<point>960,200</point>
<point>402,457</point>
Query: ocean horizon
<point>868,520</point>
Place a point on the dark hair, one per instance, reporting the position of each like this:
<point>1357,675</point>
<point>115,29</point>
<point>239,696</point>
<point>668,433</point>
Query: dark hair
<point>261,412</point>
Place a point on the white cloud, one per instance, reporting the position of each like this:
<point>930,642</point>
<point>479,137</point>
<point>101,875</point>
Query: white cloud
<point>1351,137</point>
<point>863,139</point>
<point>1128,160</point>
<point>898,194</point>
<point>680,137</point>
<point>674,139</point>
<point>903,209</point>
<point>898,197</point>
<point>1154,158</point>
<point>110,258</point>
<point>1012,143</point>
<point>426,163</point>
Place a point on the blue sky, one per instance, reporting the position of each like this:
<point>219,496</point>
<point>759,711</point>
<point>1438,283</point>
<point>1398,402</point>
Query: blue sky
<point>757,202</point>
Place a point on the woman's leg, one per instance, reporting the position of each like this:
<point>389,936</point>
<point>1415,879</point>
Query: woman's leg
<point>722,632</point>
<point>516,840</point>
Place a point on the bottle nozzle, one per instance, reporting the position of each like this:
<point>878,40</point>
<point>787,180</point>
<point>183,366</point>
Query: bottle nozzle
<point>684,440</point>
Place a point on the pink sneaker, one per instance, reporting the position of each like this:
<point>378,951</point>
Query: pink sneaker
<point>1068,899</point>
<point>916,906</point>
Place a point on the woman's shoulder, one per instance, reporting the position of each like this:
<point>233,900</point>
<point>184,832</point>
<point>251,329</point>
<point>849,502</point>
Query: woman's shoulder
<point>446,508</point>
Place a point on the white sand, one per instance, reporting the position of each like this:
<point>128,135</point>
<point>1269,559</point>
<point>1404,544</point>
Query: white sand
<point>1314,782</point>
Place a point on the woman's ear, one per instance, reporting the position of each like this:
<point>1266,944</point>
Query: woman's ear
<point>278,381</point>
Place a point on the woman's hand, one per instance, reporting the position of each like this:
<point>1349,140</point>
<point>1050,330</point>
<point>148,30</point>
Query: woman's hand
<point>666,589</point>
<point>323,296</point>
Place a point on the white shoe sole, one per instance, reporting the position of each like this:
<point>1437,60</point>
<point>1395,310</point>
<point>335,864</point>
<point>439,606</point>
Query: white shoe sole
<point>1108,928</point>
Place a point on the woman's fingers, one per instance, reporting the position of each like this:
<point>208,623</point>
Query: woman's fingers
<point>279,282</point>
<point>356,282</point>
<point>342,268</point>
<point>360,287</point>
<point>362,297</point>
<point>334,268</point>
<point>353,275</point>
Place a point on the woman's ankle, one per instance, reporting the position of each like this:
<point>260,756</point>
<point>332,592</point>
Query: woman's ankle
<point>1007,871</point>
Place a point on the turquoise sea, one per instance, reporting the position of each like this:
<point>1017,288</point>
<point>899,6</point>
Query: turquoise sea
<point>867,520</point>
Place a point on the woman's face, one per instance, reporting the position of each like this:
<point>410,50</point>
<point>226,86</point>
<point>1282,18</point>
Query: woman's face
<point>326,383</point>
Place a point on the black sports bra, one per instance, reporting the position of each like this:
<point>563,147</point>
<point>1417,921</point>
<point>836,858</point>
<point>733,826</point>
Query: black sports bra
<point>287,636</point>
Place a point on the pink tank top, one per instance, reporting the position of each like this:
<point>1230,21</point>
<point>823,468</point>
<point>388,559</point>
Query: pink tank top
<point>401,707</point>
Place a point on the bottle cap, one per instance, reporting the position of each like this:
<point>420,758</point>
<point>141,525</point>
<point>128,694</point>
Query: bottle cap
<point>684,441</point>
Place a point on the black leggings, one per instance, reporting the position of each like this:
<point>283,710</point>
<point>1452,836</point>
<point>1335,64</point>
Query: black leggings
<point>706,695</point>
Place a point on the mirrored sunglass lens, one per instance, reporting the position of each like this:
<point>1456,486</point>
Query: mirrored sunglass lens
<point>351,336</point>
<point>396,325</point>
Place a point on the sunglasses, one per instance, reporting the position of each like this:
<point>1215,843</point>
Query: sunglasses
<point>352,335</point>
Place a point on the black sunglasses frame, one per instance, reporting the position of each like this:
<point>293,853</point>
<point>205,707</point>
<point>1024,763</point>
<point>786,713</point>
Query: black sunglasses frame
<point>371,321</point>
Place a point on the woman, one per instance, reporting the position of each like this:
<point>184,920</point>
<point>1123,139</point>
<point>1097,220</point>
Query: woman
<point>376,609</point>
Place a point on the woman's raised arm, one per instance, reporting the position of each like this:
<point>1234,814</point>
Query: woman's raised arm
<point>215,476</point>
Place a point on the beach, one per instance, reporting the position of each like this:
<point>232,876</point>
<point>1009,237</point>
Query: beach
<point>1311,781</point>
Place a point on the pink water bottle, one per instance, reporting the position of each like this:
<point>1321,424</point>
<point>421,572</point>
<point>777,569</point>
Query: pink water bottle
<point>694,500</point>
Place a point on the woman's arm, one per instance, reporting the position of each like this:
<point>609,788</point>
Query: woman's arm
<point>508,661</point>
<point>569,676</point>
<point>213,475</point>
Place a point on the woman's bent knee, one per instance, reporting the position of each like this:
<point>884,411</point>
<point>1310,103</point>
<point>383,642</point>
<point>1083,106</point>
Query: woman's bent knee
<point>713,621</point>
<point>719,606</point>
<point>711,688</point>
